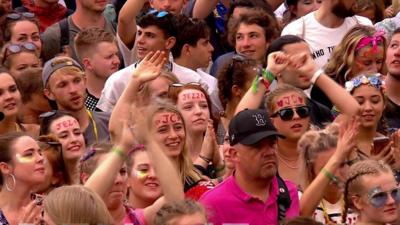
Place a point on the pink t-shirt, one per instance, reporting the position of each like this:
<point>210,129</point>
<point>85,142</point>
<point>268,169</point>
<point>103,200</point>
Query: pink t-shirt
<point>134,217</point>
<point>229,204</point>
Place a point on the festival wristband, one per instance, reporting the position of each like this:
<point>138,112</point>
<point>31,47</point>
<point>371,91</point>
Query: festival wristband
<point>265,77</point>
<point>316,75</point>
<point>207,160</point>
<point>119,152</point>
<point>329,175</point>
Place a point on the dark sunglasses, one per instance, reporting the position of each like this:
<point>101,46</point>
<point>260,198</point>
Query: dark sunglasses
<point>18,16</point>
<point>158,14</point>
<point>379,198</point>
<point>288,113</point>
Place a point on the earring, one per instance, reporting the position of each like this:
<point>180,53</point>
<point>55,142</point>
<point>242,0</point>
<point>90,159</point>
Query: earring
<point>13,186</point>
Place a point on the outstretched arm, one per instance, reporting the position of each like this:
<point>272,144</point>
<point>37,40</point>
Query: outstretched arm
<point>203,8</point>
<point>277,61</point>
<point>127,21</point>
<point>314,193</point>
<point>148,69</point>
<point>346,104</point>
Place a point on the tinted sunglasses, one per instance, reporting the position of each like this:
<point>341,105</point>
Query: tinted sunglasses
<point>12,49</point>
<point>379,198</point>
<point>158,14</point>
<point>18,16</point>
<point>288,113</point>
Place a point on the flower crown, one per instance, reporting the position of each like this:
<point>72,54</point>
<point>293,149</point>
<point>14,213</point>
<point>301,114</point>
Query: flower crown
<point>372,80</point>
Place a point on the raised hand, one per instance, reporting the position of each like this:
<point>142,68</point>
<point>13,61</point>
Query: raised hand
<point>304,64</point>
<point>277,62</point>
<point>347,141</point>
<point>150,67</point>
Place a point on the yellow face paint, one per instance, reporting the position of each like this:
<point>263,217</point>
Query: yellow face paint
<point>25,159</point>
<point>141,175</point>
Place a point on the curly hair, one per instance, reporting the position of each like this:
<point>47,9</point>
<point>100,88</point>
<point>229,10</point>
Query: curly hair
<point>234,72</point>
<point>340,63</point>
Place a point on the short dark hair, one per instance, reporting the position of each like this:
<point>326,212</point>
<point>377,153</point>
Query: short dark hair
<point>259,4</point>
<point>279,43</point>
<point>190,32</point>
<point>165,23</point>
<point>256,17</point>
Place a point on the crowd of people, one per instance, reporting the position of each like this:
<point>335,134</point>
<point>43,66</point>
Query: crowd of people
<point>189,112</point>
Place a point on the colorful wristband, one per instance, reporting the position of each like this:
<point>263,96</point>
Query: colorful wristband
<point>119,152</point>
<point>329,175</point>
<point>264,76</point>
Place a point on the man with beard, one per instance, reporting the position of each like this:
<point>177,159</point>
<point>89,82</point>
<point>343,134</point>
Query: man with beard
<point>392,81</point>
<point>65,83</point>
<point>252,194</point>
<point>59,37</point>
<point>324,28</point>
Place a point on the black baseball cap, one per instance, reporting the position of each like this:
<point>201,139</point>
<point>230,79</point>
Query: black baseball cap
<point>251,126</point>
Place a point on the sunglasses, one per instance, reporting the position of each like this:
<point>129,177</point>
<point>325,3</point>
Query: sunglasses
<point>18,16</point>
<point>180,85</point>
<point>379,198</point>
<point>158,14</point>
<point>288,113</point>
<point>12,49</point>
<point>48,114</point>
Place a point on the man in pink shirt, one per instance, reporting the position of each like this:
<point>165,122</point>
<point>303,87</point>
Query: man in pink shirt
<point>252,194</point>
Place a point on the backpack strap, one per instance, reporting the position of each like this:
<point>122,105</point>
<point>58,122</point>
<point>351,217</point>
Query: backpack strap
<point>283,200</point>
<point>64,33</point>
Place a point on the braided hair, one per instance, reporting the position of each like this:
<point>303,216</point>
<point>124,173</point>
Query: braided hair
<point>353,183</point>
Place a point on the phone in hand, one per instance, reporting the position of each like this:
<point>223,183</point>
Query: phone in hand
<point>379,144</point>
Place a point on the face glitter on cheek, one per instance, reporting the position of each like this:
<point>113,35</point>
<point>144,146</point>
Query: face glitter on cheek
<point>24,159</point>
<point>141,175</point>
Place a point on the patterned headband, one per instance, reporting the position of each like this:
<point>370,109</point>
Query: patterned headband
<point>377,38</point>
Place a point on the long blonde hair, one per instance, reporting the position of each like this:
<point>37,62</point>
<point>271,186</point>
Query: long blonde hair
<point>187,171</point>
<point>343,56</point>
<point>76,204</point>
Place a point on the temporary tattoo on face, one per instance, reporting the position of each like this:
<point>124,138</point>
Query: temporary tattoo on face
<point>188,96</point>
<point>166,118</point>
<point>289,100</point>
<point>66,124</point>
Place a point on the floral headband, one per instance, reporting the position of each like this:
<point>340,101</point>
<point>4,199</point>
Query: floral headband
<point>377,38</point>
<point>373,80</point>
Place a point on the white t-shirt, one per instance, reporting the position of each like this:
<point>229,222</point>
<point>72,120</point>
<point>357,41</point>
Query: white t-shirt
<point>322,39</point>
<point>118,81</point>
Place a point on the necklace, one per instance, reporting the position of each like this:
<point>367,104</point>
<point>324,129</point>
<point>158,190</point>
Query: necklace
<point>286,161</point>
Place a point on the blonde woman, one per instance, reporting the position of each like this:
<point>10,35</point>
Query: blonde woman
<point>75,205</point>
<point>372,191</point>
<point>324,156</point>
